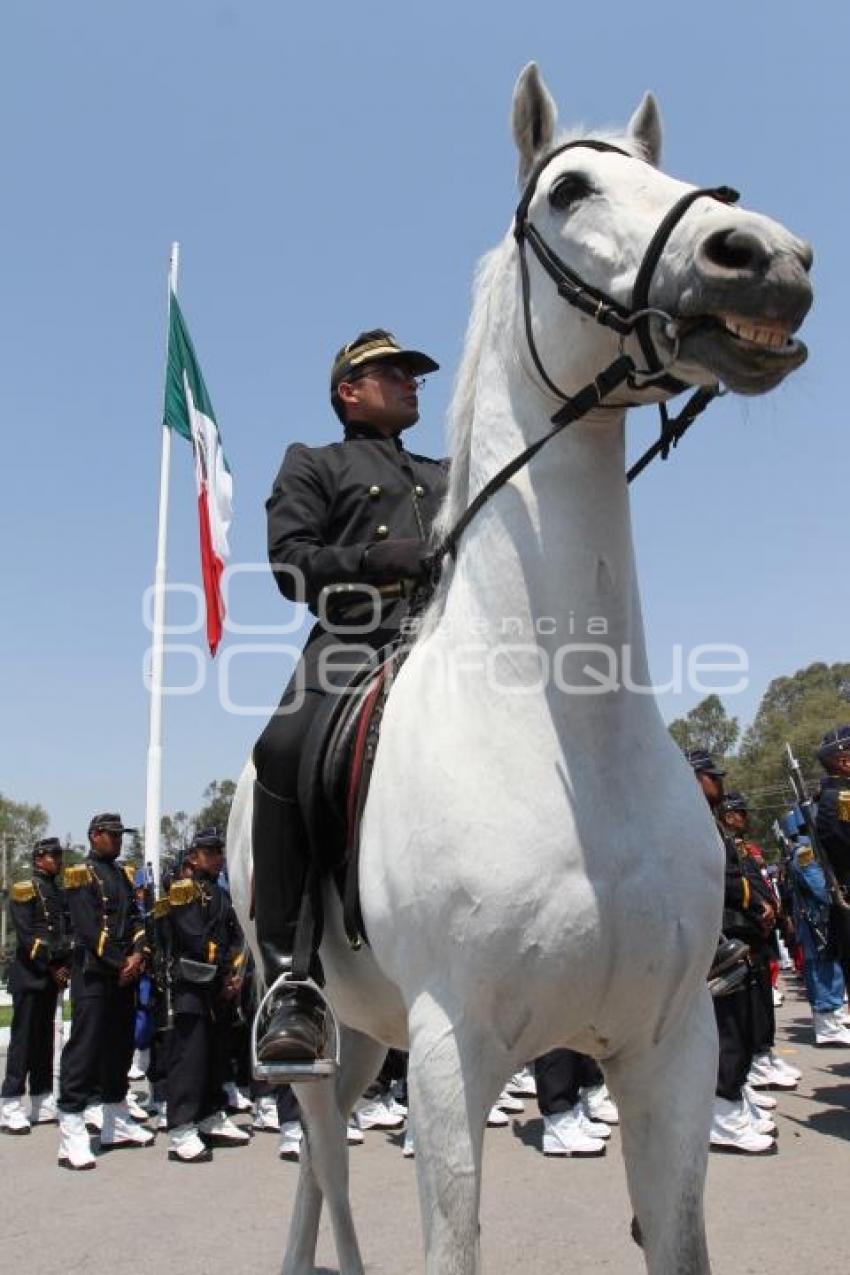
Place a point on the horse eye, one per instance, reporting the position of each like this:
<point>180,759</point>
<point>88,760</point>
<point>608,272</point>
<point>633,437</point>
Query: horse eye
<point>568,189</point>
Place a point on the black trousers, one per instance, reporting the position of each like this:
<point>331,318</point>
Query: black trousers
<point>198,1064</point>
<point>761,1007</point>
<point>734,1014</point>
<point>559,1075</point>
<point>278,750</point>
<point>99,1051</point>
<point>31,1042</point>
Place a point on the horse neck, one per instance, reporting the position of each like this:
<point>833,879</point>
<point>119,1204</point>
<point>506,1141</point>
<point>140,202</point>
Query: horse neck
<point>551,555</point>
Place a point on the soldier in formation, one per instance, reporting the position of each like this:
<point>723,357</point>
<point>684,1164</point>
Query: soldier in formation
<point>39,975</point>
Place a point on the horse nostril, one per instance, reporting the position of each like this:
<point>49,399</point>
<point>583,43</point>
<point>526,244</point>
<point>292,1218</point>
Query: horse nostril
<point>735,250</point>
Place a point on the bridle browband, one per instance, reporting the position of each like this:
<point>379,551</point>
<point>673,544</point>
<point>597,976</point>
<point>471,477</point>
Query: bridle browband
<point>611,314</point>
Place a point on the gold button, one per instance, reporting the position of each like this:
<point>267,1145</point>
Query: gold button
<point>374,492</point>
<point>420,491</point>
<point>382,530</point>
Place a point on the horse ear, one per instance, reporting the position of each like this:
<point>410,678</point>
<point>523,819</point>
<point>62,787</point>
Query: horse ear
<point>533,118</point>
<point>645,128</point>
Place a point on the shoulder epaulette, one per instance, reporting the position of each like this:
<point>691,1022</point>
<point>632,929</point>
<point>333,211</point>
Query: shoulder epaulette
<point>77,874</point>
<point>181,892</point>
<point>130,874</point>
<point>844,806</point>
<point>160,908</point>
<point>23,892</point>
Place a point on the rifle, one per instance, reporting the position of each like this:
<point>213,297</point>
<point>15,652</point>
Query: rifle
<point>806,806</point>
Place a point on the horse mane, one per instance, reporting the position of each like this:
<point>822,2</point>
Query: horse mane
<point>462,406</point>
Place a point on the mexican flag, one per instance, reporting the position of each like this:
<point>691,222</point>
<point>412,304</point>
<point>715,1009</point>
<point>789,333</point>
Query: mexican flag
<point>189,412</point>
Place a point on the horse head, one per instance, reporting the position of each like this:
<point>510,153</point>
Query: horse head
<point>723,300</point>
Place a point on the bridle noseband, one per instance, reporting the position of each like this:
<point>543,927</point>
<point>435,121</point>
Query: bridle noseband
<point>611,314</point>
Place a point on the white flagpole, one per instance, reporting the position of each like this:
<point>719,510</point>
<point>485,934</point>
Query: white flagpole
<point>153,799</point>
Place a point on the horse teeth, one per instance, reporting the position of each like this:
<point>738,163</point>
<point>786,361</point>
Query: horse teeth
<point>773,338</point>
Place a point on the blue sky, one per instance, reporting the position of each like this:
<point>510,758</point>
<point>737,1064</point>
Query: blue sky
<point>328,168</point>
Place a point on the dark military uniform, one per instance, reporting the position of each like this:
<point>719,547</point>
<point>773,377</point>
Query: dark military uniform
<point>833,833</point>
<point>739,1013</point>
<point>206,945</point>
<point>833,825</point>
<point>348,528</point>
<point>328,505</point>
<point>40,921</point>
<point>107,926</point>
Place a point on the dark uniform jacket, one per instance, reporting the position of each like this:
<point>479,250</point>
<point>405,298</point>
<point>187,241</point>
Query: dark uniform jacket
<point>41,924</point>
<point>204,930</point>
<point>106,920</point>
<point>833,825</point>
<point>744,889</point>
<point>328,505</point>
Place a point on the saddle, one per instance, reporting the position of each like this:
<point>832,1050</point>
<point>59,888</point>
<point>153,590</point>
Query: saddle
<point>333,782</point>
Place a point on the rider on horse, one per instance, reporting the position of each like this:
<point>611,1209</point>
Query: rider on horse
<point>348,528</point>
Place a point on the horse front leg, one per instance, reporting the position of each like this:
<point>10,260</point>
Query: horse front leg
<point>454,1076</point>
<point>665,1097</point>
<point>324,1158</point>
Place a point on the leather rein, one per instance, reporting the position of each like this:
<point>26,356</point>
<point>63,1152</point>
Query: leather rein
<point>611,314</point>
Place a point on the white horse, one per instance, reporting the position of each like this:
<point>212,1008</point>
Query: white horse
<point>538,867</point>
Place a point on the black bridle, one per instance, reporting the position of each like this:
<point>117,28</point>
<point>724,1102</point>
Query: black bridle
<point>625,321</point>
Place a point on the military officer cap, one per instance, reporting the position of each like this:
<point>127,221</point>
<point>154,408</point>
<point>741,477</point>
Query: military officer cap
<point>735,800</point>
<point>703,763</point>
<point>377,346</point>
<point>207,839</point>
<point>108,822</point>
<point>47,845</point>
<point>834,742</point>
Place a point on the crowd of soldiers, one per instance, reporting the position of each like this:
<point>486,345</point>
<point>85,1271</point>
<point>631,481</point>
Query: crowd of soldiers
<point>172,977</point>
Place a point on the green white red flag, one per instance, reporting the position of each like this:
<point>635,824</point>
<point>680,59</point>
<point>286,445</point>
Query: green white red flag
<point>189,412</point>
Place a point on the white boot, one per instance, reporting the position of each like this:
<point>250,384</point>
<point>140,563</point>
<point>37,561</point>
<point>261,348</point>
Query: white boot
<point>186,1147</point>
<point>139,1065</point>
<point>829,1030</point>
<point>732,1129</point>
<point>291,1134</point>
<point>236,1099</point>
<point>74,1146</point>
<point>761,1122</point>
<point>353,1133</point>
<point>134,1107</point>
<point>760,1098</point>
<point>120,1129</point>
<point>43,1109</point>
<point>374,1113</point>
<point>599,1105</point>
<point>767,1072</point>
<point>780,1064</point>
<point>565,1134</point>
<point>94,1116</point>
<point>220,1130</point>
<point>496,1118</point>
<point>510,1103</point>
<point>265,1116</point>
<point>522,1083</point>
<point>13,1118</point>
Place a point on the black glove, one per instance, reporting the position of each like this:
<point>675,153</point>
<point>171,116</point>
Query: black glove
<point>389,560</point>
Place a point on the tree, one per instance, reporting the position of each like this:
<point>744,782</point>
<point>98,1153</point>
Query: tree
<point>798,710</point>
<point>21,825</point>
<point>707,726</point>
<point>174,833</point>
<point>218,798</point>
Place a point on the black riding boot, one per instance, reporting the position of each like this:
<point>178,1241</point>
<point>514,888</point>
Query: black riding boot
<point>296,1031</point>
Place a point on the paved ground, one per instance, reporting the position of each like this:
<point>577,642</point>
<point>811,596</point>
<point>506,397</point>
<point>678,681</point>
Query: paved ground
<point>137,1211</point>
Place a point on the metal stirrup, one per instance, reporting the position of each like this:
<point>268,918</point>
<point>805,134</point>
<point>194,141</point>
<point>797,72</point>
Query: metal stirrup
<point>295,1072</point>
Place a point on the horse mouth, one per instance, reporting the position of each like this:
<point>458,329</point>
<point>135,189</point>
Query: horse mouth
<point>749,355</point>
